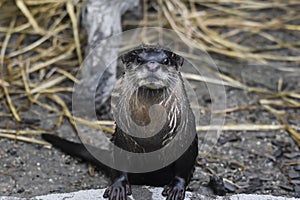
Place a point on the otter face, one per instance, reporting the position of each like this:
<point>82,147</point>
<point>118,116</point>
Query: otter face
<point>152,67</point>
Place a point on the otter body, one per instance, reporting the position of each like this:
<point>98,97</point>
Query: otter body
<point>152,87</point>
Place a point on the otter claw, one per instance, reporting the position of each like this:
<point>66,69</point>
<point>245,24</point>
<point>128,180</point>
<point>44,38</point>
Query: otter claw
<point>118,191</point>
<point>175,190</point>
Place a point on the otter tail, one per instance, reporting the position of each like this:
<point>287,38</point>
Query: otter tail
<point>76,150</point>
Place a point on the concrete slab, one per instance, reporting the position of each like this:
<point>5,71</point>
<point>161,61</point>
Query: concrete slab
<point>145,193</point>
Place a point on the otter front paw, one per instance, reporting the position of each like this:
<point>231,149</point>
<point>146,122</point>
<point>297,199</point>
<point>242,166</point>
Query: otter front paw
<point>118,190</point>
<point>175,190</point>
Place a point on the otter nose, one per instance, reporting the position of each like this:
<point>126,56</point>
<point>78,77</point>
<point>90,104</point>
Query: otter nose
<point>152,66</point>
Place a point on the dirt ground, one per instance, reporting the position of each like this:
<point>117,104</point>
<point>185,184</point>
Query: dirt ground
<point>249,161</point>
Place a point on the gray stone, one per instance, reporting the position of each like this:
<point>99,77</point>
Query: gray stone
<point>147,193</point>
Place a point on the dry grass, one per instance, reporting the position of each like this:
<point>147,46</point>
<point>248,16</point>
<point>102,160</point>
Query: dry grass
<point>238,17</point>
<point>41,49</point>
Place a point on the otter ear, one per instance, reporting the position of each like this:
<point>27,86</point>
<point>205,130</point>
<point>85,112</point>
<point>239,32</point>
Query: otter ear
<point>178,59</point>
<point>128,57</point>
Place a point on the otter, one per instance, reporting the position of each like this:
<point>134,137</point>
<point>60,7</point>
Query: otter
<point>151,78</point>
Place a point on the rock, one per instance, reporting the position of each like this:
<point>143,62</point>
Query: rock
<point>147,193</point>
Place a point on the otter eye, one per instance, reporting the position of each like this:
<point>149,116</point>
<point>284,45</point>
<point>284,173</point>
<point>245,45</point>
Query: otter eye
<point>139,60</point>
<point>166,61</point>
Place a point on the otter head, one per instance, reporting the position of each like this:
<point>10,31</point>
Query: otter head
<point>152,67</point>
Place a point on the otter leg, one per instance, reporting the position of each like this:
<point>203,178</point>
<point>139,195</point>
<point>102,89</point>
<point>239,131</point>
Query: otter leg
<point>120,187</point>
<point>184,168</point>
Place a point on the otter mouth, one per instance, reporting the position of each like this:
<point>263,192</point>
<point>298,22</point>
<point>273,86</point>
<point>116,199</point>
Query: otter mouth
<point>152,82</point>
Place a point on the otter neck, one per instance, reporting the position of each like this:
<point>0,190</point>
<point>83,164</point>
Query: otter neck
<point>143,98</point>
